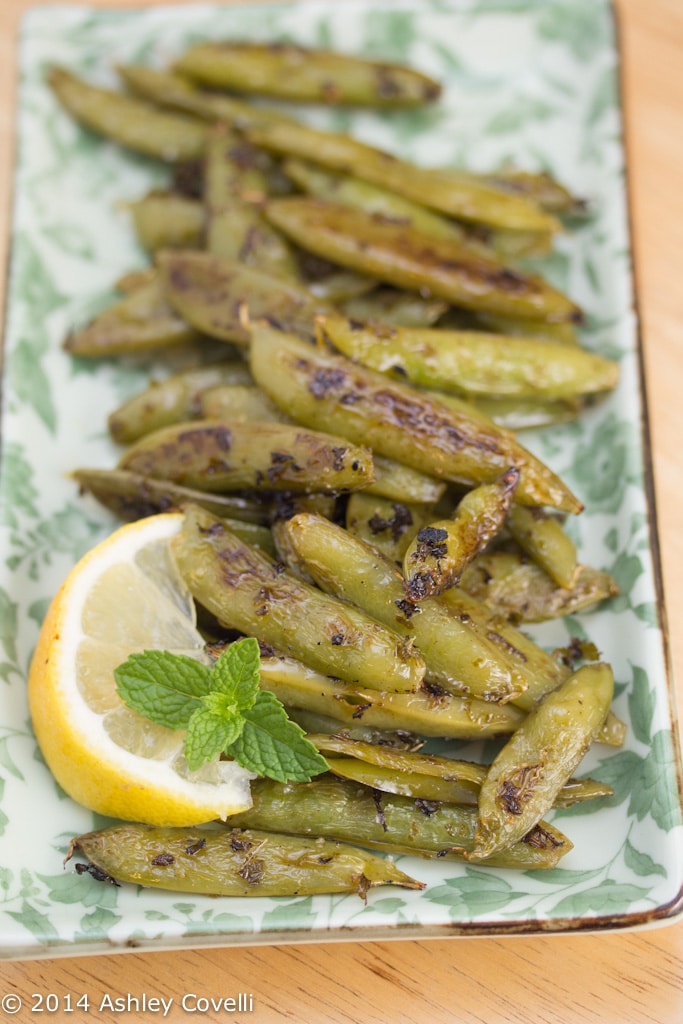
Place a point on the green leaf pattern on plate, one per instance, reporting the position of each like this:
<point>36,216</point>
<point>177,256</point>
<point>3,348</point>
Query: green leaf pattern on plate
<point>528,81</point>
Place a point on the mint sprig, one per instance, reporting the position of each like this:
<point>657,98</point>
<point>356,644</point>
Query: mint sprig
<point>222,709</point>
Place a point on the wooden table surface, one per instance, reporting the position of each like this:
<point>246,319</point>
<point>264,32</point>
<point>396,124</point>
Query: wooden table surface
<point>612,978</point>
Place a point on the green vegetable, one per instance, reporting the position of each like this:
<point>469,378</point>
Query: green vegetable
<point>222,709</point>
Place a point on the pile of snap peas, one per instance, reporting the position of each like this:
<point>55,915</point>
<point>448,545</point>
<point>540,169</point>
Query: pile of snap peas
<point>355,493</point>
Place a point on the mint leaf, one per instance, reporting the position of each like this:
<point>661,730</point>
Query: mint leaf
<point>237,672</point>
<point>273,746</point>
<point>164,687</point>
<point>208,735</point>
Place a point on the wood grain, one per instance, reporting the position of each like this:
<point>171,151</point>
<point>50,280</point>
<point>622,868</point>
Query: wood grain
<point>613,978</point>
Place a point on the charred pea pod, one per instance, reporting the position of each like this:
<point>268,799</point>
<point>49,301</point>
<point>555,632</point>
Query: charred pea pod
<point>448,442</point>
<point>140,322</point>
<point>134,279</point>
<point>344,810</point>
<point>396,481</point>
<point>163,220</point>
<point>391,306</point>
<point>129,121</point>
<point>512,586</point>
<point>426,776</point>
<point>540,186</point>
<point>217,861</point>
<point>243,402</point>
<point>235,187</point>
<point>291,72</point>
<point>458,654</point>
<point>437,555</point>
<point>525,777</point>
<point>133,496</point>
<point>387,525</point>
<point>450,192</point>
<point>402,256</point>
<point>168,89</point>
<point>362,195</point>
<point>172,400</point>
<point>220,455</point>
<point>543,538</point>
<point>473,363</point>
<point>245,590</point>
<point>428,712</point>
<point>314,723</point>
<point>219,297</point>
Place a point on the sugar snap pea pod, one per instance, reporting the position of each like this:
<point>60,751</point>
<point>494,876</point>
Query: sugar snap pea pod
<point>234,862</point>
<point>543,538</point>
<point>448,191</point>
<point>397,421</point>
<point>525,777</point>
<point>473,363</point>
<point>134,279</point>
<point>128,120</point>
<point>542,188</point>
<point>292,72</point>
<point>391,306</point>
<point>163,220</point>
<point>402,256</point>
<point>438,553</point>
<point>528,413</point>
<point>239,402</point>
<point>311,722</point>
<point>247,591</point>
<point>398,481</point>
<point>235,187</point>
<point>133,496</point>
<point>511,585</point>
<point>458,654</point>
<point>171,400</point>
<point>409,770</point>
<point>510,246</point>
<point>351,191</point>
<point>217,295</point>
<point>428,712</point>
<point>225,455</point>
<point>388,525</point>
<point>139,322</point>
<point>336,284</point>
<point>498,323</point>
<point>169,89</point>
<point>345,810</point>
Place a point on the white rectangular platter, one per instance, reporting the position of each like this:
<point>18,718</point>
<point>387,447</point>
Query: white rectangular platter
<point>529,81</point>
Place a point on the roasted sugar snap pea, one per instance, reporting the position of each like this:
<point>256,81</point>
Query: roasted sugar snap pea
<point>402,256</point>
<point>172,400</point>
<point>512,585</point>
<point>220,296</point>
<point>473,363</point>
<point>235,187</point>
<point>392,306</point>
<point>134,279</point>
<point>243,402</point>
<point>220,861</point>
<point>170,89</point>
<point>525,777</point>
<point>427,776</point>
<point>133,496</point>
<point>427,712</point>
<point>245,590</point>
<point>542,188</point>
<point>291,72</point>
<point>397,481</point>
<point>129,121</point>
<point>448,191</point>
<point>316,387</point>
<point>141,321</point>
<point>163,220</point>
<point>498,323</point>
<point>543,538</point>
<point>387,525</point>
<point>438,553</point>
<point>528,413</point>
<point>345,810</point>
<point>313,723</point>
<point>224,455</point>
<point>458,654</point>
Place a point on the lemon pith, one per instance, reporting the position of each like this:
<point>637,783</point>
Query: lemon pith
<point>123,596</point>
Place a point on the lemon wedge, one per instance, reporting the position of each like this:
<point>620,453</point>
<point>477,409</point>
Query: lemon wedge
<point>125,595</point>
